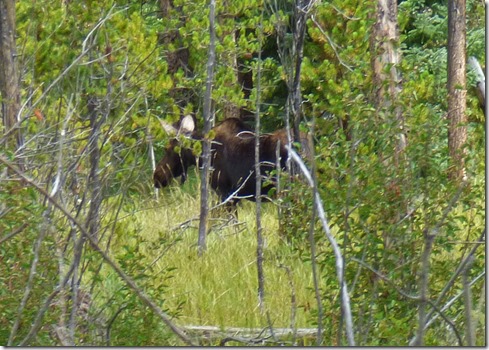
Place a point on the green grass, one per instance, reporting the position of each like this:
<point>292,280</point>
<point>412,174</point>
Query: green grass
<point>219,288</point>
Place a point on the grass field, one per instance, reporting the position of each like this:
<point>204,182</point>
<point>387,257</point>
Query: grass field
<point>220,288</point>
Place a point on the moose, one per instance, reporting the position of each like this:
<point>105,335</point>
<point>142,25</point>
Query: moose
<point>232,157</point>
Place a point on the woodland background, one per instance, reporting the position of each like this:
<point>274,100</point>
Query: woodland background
<point>91,254</point>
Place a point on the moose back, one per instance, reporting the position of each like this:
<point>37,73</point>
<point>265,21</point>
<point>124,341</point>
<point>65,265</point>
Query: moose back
<point>232,157</point>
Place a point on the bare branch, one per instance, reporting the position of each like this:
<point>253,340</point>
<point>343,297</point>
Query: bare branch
<point>129,282</point>
<point>28,288</point>
<point>430,234</point>
<point>331,43</point>
<point>345,298</point>
<point>85,50</point>
<point>14,232</point>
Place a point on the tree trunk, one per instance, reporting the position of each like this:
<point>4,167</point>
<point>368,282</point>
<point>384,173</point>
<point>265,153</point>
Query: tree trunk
<point>208,123</point>
<point>385,60</point>
<point>9,75</point>
<point>385,53</point>
<point>457,93</point>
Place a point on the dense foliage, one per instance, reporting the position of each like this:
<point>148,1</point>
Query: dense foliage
<point>93,72</point>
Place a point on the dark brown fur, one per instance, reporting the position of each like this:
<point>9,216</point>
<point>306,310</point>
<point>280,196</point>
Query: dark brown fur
<point>233,159</point>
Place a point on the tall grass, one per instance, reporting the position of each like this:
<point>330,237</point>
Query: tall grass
<point>220,287</point>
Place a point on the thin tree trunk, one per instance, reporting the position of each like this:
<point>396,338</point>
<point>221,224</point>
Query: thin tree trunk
<point>469,324</point>
<point>424,286</point>
<point>457,93</point>
<point>386,54</point>
<point>385,60</point>
<point>9,75</point>
<point>300,16</point>
<point>208,122</point>
<point>259,236</point>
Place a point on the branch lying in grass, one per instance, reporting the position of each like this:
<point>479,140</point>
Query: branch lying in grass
<point>130,283</point>
<point>249,335</point>
<point>345,298</point>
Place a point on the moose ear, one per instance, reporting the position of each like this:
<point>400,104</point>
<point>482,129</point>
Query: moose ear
<point>187,125</point>
<point>169,129</point>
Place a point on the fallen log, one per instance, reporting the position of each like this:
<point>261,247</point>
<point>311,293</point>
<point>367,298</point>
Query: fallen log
<point>249,335</point>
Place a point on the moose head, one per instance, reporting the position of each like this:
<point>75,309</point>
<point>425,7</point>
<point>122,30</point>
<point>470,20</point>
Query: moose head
<point>177,159</point>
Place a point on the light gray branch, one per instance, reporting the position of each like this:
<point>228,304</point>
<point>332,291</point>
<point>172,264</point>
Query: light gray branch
<point>345,298</point>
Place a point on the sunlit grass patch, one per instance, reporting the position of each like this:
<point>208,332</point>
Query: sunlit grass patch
<point>219,288</point>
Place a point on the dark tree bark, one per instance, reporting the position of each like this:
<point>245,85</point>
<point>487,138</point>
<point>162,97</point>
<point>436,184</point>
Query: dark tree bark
<point>457,93</point>
<point>9,75</point>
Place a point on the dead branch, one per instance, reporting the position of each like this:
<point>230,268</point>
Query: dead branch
<point>213,332</point>
<point>345,298</point>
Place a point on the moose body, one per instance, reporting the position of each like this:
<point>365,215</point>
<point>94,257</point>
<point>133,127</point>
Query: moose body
<point>232,158</point>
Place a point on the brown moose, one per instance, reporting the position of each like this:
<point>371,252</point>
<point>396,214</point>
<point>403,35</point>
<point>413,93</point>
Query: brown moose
<point>232,157</point>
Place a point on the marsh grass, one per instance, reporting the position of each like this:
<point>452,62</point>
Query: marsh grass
<point>219,288</point>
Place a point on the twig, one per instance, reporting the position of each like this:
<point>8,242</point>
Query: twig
<point>14,232</point>
<point>406,295</point>
<point>37,321</point>
<point>332,44</point>
<point>429,235</point>
<point>450,303</point>
<point>450,283</point>
<point>28,288</point>
<point>448,321</point>
<point>385,279</point>
<point>85,50</point>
